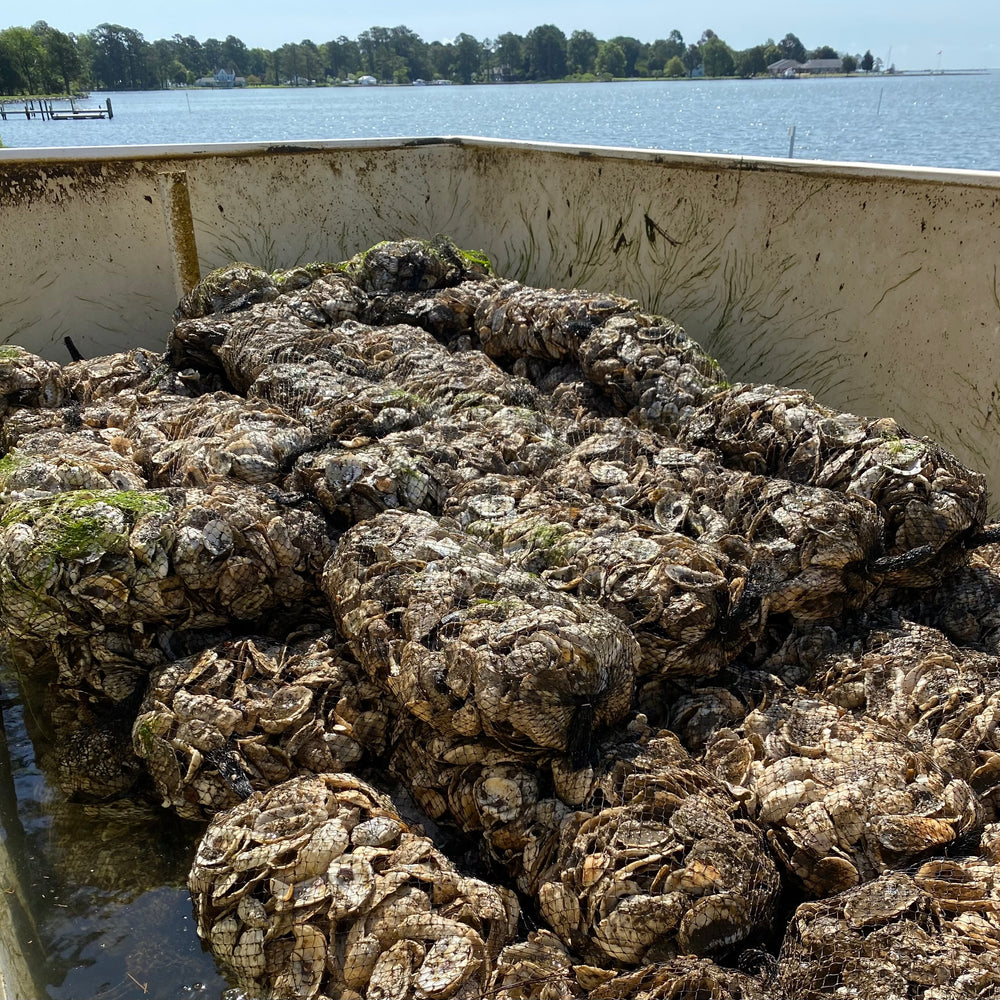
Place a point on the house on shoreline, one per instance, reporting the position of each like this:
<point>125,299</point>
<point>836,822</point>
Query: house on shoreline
<point>790,68</point>
<point>222,79</point>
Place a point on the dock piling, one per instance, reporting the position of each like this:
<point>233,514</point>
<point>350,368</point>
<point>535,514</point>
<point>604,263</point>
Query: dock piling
<point>44,108</point>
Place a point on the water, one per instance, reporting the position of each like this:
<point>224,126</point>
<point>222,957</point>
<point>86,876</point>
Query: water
<point>942,120</point>
<point>109,914</point>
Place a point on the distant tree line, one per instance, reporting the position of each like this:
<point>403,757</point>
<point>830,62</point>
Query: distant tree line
<point>42,59</point>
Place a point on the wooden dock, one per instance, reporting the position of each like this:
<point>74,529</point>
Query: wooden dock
<point>54,111</point>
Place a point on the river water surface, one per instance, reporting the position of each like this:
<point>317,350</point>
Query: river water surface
<point>940,120</point>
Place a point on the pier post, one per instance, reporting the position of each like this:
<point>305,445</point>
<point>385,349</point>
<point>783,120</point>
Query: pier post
<point>111,114</point>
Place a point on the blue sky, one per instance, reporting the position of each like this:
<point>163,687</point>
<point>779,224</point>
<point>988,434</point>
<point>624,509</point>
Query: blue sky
<point>910,32</point>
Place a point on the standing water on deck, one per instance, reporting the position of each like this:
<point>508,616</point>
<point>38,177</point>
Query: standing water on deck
<point>102,888</point>
<point>936,121</point>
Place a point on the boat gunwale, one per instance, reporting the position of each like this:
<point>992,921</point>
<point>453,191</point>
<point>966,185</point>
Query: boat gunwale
<point>664,157</point>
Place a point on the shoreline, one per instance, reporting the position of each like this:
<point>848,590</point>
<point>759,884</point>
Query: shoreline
<point>14,99</point>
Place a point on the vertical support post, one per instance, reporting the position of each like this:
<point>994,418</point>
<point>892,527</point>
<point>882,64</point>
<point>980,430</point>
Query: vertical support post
<point>179,224</point>
<point>111,114</point>
<point>791,141</point>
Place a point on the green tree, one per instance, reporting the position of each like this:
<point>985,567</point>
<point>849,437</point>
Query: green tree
<point>289,59</point>
<point>274,67</point>
<point>176,72</point>
<point>468,57</point>
<point>160,59</point>
<point>189,51</point>
<point>343,58</point>
<point>656,56</point>
<point>749,62</point>
<point>441,59</point>
<point>312,63</point>
<point>412,50</point>
<point>717,57</point>
<point>21,61</point>
<point>663,50</point>
<point>509,51</point>
<point>850,64</point>
<point>212,48</point>
<point>545,53</point>
<point>867,61</point>
<point>85,48</point>
<point>772,53</point>
<point>235,55</point>
<point>632,49</point>
<point>119,57</point>
<point>257,63</point>
<point>610,60</point>
<point>581,52</point>
<point>62,56</point>
<point>691,58</point>
<point>372,42</point>
<point>792,48</point>
<point>823,52</point>
<point>674,68</point>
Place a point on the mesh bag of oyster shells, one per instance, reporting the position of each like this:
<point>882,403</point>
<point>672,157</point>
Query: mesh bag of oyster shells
<point>694,598</point>
<point>641,365</point>
<point>541,967</point>
<point>388,280</point>
<point>26,380</point>
<point>930,502</point>
<point>513,802</point>
<point>419,468</point>
<point>902,935</point>
<point>964,604</point>
<point>74,564</point>
<point>253,713</point>
<point>843,799</point>
<point>317,887</point>
<point>663,863</point>
<point>58,459</point>
<point>659,378</point>
<point>469,643</point>
<point>219,435</point>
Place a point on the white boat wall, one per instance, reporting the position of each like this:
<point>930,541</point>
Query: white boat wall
<point>875,287</point>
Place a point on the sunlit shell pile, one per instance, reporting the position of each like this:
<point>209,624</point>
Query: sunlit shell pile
<point>507,649</point>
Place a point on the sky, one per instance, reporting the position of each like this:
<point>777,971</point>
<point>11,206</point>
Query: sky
<point>912,34</point>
